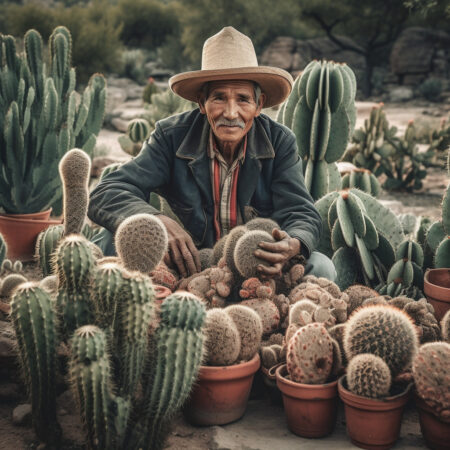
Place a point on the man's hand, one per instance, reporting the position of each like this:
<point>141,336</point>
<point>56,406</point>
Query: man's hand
<point>277,253</point>
<point>182,252</point>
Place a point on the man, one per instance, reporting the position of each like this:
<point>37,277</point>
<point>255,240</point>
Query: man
<point>220,165</point>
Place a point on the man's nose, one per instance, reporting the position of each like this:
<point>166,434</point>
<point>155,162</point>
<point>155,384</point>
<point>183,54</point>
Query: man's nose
<point>231,110</point>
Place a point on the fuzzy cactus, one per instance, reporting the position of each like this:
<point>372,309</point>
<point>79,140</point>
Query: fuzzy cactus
<point>35,324</point>
<point>162,275</point>
<point>205,255</point>
<point>263,224</point>
<point>368,376</point>
<point>421,313</point>
<point>270,355</point>
<point>244,258</point>
<point>431,371</point>
<point>10,283</point>
<point>249,327</point>
<point>228,250</point>
<point>309,356</point>
<point>141,242</point>
<point>75,171</point>
<point>445,326</point>
<point>384,331</point>
<point>50,284</point>
<point>295,311</point>
<point>218,250</point>
<point>357,293</point>
<point>223,342</point>
<point>254,287</point>
<point>267,311</point>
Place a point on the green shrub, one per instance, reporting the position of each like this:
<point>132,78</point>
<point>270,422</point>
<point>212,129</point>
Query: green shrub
<point>146,23</point>
<point>132,65</point>
<point>431,89</point>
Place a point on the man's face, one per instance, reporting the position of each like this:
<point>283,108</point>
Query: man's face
<point>231,109</point>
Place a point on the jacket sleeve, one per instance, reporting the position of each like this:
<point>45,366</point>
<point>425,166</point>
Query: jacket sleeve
<point>126,191</point>
<point>294,207</point>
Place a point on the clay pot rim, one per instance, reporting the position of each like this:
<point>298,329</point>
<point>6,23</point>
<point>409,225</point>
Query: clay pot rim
<point>372,404</point>
<point>7,218</point>
<point>302,390</point>
<point>422,404</point>
<point>233,372</point>
<point>432,289</point>
<point>29,216</point>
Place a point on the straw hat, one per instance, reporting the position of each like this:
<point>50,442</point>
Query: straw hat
<point>230,55</point>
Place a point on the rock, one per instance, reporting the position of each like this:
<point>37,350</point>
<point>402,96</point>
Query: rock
<point>22,414</point>
<point>114,97</point>
<point>100,162</point>
<point>66,404</point>
<point>401,94</point>
<point>119,124</point>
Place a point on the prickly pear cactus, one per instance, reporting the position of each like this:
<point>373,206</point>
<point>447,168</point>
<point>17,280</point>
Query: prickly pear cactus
<point>363,180</point>
<point>384,331</point>
<point>369,376</point>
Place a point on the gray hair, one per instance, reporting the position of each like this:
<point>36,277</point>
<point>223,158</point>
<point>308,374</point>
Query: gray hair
<point>256,88</point>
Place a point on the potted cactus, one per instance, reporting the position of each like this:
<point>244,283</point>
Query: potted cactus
<point>380,342</point>
<point>41,118</point>
<point>233,337</point>
<point>432,396</point>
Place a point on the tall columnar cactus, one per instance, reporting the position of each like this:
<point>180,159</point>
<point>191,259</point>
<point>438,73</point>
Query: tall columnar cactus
<point>360,235</point>
<point>431,370</point>
<point>74,264</point>
<point>370,143</point>
<point>75,171</point>
<point>309,356</point>
<point>141,242</point>
<point>46,243</point>
<point>138,131</point>
<point>384,331</point>
<point>362,179</point>
<point>321,112</point>
<point>177,358</point>
<point>369,376</point>
<point>35,324</point>
<point>41,118</point>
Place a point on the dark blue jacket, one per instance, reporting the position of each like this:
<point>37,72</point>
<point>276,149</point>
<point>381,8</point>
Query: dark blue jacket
<point>174,163</point>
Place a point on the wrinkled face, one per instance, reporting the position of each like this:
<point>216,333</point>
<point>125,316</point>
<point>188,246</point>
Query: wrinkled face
<point>230,107</point>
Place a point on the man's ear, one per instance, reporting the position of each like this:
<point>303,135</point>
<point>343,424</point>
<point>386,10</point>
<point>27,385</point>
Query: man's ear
<point>262,100</point>
<point>201,103</point>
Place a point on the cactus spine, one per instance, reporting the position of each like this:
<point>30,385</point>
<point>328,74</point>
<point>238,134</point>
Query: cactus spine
<point>34,322</point>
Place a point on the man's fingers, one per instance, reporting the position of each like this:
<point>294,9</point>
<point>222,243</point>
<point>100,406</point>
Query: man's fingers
<point>177,258</point>
<point>167,260</point>
<point>188,259</point>
<point>278,234</point>
<point>273,258</point>
<point>270,271</point>
<point>194,252</point>
<point>275,247</point>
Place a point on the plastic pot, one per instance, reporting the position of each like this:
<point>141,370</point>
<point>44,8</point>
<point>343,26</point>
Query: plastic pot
<point>373,423</point>
<point>435,432</point>
<point>310,409</point>
<point>221,393</point>
<point>20,233</point>
<point>436,286</point>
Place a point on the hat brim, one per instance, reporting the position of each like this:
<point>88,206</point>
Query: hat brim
<point>275,83</point>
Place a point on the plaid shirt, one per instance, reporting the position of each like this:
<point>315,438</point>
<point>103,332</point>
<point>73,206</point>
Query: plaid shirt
<point>224,180</point>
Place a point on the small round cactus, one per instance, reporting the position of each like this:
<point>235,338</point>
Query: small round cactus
<point>357,294</point>
<point>228,249</point>
<point>218,250</point>
<point>141,242</point>
<point>261,223</point>
<point>267,311</point>
<point>309,356</point>
<point>223,343</point>
<point>369,376</point>
<point>10,283</point>
<point>384,331</point>
<point>250,330</point>
<point>138,130</point>
<point>50,284</point>
<point>206,257</point>
<point>244,259</point>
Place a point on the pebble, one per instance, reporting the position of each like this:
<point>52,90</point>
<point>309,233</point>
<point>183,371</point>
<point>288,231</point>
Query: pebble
<point>22,414</point>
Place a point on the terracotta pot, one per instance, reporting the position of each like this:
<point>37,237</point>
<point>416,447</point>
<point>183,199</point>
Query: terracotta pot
<point>43,215</point>
<point>435,432</point>
<point>20,233</point>
<point>221,393</point>
<point>310,409</point>
<point>436,285</point>
<point>372,423</point>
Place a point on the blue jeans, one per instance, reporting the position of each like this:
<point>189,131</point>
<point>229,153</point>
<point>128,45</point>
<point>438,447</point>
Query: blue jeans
<point>318,264</point>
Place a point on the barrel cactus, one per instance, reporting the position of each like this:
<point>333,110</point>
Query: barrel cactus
<point>138,131</point>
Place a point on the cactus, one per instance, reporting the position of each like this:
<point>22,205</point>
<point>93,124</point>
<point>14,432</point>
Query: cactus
<point>46,244</point>
<point>138,131</point>
<point>75,171</point>
<point>150,89</point>
<point>34,322</point>
<point>10,283</point>
<point>218,250</point>
<point>228,250</point>
<point>423,315</point>
<point>267,311</point>
<point>3,249</point>
<point>223,342</point>
<point>109,169</point>
<point>205,255</point>
<point>309,356</point>
<point>43,119</point>
<point>445,327</point>
<point>384,331</point>
<point>261,223</point>
<point>244,258</point>
<point>431,377</point>
<point>362,179</point>
<point>141,242</point>
<point>249,327</point>
<point>321,112</point>
<point>50,284</point>
<point>368,376</point>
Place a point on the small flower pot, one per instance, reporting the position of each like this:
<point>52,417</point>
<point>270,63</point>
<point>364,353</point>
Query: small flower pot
<point>221,393</point>
<point>436,286</point>
<point>373,423</point>
<point>435,432</point>
<point>21,230</point>
<point>311,409</point>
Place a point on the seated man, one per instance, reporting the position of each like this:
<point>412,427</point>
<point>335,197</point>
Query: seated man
<point>220,166</point>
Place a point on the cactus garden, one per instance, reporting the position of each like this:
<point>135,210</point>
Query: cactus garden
<point>125,351</point>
